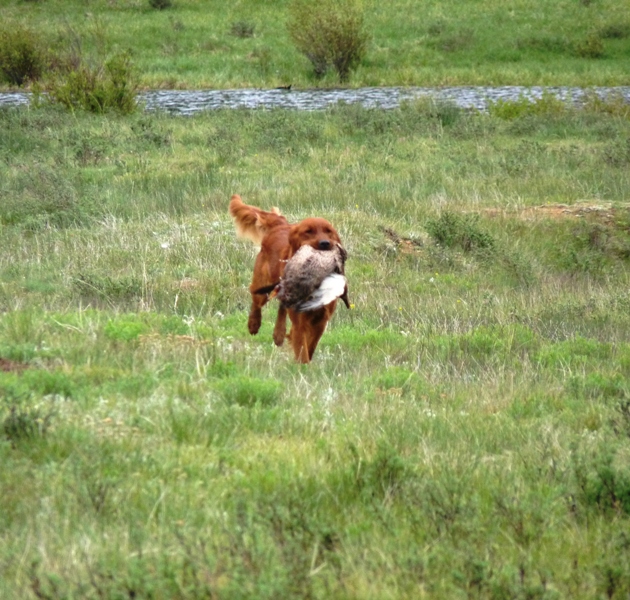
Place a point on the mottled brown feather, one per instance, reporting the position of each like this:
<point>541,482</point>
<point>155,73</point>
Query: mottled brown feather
<point>306,270</point>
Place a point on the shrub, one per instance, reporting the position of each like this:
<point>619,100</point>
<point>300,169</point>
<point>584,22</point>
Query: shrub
<point>612,104</point>
<point>452,230</point>
<point>93,286</point>
<point>249,391</point>
<point>548,44</point>
<point>615,31</point>
<point>125,330</point>
<point>242,29</point>
<point>458,40</point>
<point>598,386</point>
<point>437,28</point>
<point>160,4</point>
<point>603,481</point>
<point>329,33</point>
<point>22,57</point>
<point>96,88</point>
<point>590,47</point>
<point>617,152</point>
<point>42,197</point>
<point>383,475</point>
<point>447,113</point>
<point>50,383</point>
<point>547,104</point>
<point>20,421</point>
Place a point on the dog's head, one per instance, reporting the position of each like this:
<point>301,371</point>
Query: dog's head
<point>315,232</point>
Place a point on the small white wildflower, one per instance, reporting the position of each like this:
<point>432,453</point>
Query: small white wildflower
<point>165,245</point>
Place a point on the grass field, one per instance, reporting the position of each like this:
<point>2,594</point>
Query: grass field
<point>464,430</point>
<point>197,44</point>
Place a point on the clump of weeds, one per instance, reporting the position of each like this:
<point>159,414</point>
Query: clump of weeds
<point>462,231</point>
<point>20,420</point>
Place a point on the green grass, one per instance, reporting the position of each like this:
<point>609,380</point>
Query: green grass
<point>194,44</point>
<point>464,430</point>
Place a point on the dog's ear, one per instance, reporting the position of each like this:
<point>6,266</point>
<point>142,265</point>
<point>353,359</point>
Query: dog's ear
<point>295,240</point>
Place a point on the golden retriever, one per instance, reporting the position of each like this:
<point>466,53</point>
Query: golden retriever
<point>278,241</point>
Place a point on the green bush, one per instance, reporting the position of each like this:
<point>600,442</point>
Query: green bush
<point>96,88</point>
<point>329,33</point>
<point>160,4</point>
<point>22,57</point>
<point>125,330</point>
<point>250,391</point>
<point>547,104</point>
<point>381,476</point>
<point>454,230</point>
<point>615,31</point>
<point>547,44</point>
<point>42,197</point>
<point>603,481</point>
<point>598,387</point>
<point>242,29</point>
<point>590,47</point>
<point>95,286</point>
<point>19,420</point>
<point>50,383</point>
<point>461,39</point>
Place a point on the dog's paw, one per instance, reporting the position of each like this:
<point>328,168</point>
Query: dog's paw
<point>279,337</point>
<point>253,323</point>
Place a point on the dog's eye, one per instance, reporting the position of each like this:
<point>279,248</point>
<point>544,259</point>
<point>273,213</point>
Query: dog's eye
<point>310,231</point>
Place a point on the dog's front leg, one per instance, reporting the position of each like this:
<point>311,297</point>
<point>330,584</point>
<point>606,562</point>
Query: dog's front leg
<point>280,329</point>
<point>299,336</point>
<point>255,314</point>
<point>255,318</point>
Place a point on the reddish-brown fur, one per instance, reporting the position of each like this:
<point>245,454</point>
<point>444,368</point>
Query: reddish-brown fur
<point>279,240</point>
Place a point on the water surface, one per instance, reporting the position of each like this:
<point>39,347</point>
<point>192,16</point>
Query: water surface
<point>188,102</point>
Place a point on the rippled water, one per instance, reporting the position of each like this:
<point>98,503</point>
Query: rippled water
<point>188,102</point>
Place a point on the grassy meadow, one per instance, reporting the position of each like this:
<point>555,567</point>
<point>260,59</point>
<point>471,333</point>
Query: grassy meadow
<point>464,430</point>
<point>215,44</point>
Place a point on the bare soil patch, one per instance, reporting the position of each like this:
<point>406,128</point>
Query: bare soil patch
<point>605,211</point>
<point>8,365</point>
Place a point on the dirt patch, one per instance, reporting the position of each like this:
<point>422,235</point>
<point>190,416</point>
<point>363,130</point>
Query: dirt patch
<point>604,212</point>
<point>8,365</point>
<point>613,218</point>
<point>406,245</point>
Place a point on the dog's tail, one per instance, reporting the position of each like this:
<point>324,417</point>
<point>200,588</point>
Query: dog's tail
<point>251,222</point>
